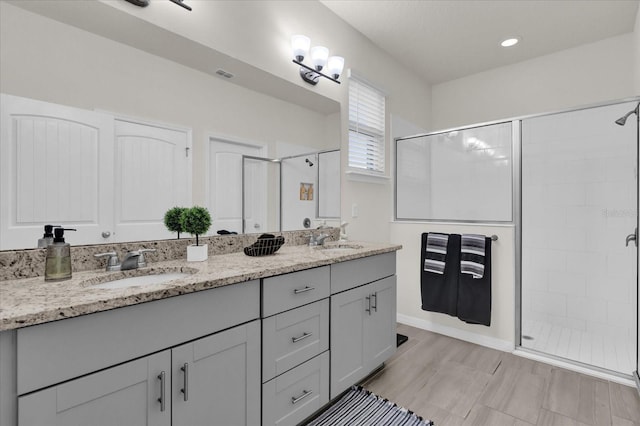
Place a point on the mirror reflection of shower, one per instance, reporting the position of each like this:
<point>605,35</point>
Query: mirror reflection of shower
<point>280,193</point>
<point>622,120</point>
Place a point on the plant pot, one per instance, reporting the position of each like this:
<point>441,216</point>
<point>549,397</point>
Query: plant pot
<point>197,253</point>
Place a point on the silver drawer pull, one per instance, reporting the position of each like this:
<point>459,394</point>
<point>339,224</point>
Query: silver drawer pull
<point>303,290</point>
<point>296,399</point>
<point>304,336</point>
<point>185,388</point>
<point>375,307</point>
<point>368,308</point>
<point>162,398</point>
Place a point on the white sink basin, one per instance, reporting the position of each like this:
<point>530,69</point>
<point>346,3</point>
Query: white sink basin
<point>142,280</point>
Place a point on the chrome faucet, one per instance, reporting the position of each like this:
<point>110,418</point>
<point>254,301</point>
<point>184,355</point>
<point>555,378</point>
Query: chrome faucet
<point>132,260</point>
<point>317,240</point>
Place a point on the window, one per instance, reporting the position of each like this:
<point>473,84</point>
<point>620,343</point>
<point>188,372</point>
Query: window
<point>366,128</point>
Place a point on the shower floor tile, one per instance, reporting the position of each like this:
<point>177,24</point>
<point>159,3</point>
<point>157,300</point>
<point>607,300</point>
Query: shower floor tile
<point>604,351</point>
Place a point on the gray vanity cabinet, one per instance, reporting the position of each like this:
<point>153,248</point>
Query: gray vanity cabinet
<point>295,345</point>
<point>124,395</point>
<point>219,386</point>
<point>363,319</point>
<point>131,366</point>
<point>216,380</point>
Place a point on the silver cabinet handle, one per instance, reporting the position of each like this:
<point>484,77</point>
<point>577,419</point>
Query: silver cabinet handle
<point>304,336</point>
<point>375,307</point>
<point>368,308</point>
<point>185,383</point>
<point>296,399</point>
<point>162,398</point>
<point>632,237</point>
<point>106,234</point>
<point>303,290</point>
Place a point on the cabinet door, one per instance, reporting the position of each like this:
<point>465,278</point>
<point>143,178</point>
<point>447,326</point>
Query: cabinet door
<point>348,357</point>
<point>124,395</point>
<point>216,379</point>
<point>380,327</point>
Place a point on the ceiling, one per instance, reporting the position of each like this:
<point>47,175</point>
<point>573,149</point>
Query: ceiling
<point>443,40</point>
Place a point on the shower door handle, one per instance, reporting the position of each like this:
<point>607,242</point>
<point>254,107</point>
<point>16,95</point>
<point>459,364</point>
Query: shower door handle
<point>632,237</point>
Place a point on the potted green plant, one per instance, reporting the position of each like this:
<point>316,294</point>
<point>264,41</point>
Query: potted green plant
<point>196,221</point>
<point>172,219</point>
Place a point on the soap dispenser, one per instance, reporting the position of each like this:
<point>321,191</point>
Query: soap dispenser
<point>58,262</point>
<point>47,238</point>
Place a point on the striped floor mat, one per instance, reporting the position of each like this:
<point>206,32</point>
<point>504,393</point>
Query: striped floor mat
<point>359,407</point>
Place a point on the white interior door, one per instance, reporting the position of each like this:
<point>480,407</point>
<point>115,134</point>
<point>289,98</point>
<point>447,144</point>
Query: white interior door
<point>152,175</point>
<point>54,169</point>
<point>225,182</point>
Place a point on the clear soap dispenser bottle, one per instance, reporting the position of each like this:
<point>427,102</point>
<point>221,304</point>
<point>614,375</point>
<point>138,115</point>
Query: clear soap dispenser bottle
<point>47,238</point>
<point>58,261</point>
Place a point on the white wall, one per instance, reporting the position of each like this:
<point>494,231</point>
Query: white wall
<point>587,74</point>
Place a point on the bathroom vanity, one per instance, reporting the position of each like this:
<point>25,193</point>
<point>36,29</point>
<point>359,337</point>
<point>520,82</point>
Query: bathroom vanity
<point>240,340</point>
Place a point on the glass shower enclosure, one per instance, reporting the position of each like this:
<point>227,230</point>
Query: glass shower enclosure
<point>579,219</point>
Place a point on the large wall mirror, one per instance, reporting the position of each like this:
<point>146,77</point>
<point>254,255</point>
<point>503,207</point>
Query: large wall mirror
<point>108,154</point>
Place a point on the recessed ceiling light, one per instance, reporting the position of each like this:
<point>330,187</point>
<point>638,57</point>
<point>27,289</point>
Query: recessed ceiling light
<point>510,42</point>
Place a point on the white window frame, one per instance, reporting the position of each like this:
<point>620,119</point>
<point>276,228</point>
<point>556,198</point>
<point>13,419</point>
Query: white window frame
<point>367,130</point>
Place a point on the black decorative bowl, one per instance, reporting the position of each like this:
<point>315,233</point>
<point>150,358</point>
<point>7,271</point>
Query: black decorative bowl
<point>265,245</point>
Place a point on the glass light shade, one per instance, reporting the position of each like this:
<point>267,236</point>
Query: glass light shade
<point>300,46</point>
<point>335,66</point>
<point>319,56</point>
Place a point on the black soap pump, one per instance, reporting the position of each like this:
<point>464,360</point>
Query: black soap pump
<point>58,262</point>
<point>47,238</point>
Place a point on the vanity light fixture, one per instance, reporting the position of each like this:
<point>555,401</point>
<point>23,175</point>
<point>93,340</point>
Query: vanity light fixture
<point>319,58</point>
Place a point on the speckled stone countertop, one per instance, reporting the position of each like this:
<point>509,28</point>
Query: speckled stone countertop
<point>31,301</point>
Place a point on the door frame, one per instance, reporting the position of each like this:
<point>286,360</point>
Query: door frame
<point>232,140</point>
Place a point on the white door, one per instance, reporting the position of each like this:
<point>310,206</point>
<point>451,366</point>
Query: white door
<point>152,175</point>
<point>54,169</point>
<point>225,182</point>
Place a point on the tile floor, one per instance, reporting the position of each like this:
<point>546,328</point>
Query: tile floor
<point>456,383</point>
<point>604,351</point>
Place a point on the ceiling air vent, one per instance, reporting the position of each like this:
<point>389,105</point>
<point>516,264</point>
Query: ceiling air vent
<point>223,73</point>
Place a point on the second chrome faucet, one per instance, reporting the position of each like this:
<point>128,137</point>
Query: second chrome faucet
<point>132,260</point>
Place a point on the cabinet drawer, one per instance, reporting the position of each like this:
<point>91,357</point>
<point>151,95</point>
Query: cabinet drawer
<point>354,273</point>
<point>293,337</point>
<point>292,397</point>
<point>54,352</point>
<point>292,290</point>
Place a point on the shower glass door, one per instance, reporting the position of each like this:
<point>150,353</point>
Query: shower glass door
<point>579,204</point>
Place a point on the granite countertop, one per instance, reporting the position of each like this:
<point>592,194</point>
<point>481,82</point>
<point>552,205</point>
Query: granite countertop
<point>31,301</point>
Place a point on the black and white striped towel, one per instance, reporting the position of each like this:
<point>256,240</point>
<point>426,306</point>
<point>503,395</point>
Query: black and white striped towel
<point>472,251</point>
<point>436,252</point>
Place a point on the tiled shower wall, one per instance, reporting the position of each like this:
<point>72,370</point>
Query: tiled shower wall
<point>578,205</point>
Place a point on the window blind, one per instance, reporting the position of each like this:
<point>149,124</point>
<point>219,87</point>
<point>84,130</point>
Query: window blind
<point>366,127</point>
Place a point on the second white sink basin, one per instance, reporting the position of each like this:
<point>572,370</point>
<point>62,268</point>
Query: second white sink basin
<point>142,280</point>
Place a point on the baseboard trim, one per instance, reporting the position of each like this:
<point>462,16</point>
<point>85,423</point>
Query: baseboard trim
<point>478,339</point>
